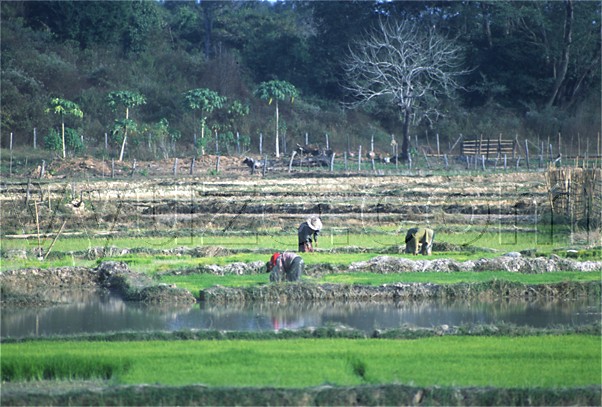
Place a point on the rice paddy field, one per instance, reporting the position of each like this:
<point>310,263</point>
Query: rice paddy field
<point>170,229</point>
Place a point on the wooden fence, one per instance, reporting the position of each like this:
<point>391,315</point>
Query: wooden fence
<point>488,147</point>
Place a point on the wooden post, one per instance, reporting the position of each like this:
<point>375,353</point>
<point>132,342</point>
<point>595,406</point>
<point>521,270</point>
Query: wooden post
<point>134,168</point>
<point>514,145</point>
<point>106,141</point>
<point>332,162</point>
<point>445,160</point>
<point>428,165</point>
<point>410,161</point>
<point>216,163</point>
<point>216,144</point>
<point>306,139</point>
<point>112,168</point>
<point>43,169</point>
<point>527,153</point>
<point>28,192</point>
<point>35,138</point>
<point>483,162</point>
<point>10,167</point>
<point>505,162</point>
<point>265,164</point>
<point>192,162</point>
<point>345,160</point>
<point>237,143</point>
<point>359,159</point>
<point>373,165</point>
<point>499,144</point>
<point>438,151</point>
<point>175,167</point>
<point>260,143</point>
<point>454,145</point>
<point>290,163</point>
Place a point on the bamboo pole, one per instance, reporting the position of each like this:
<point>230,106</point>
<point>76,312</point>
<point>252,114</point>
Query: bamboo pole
<point>55,239</point>
<point>38,226</point>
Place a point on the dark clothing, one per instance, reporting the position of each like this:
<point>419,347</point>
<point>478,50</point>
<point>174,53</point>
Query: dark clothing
<point>288,267</point>
<point>307,236</point>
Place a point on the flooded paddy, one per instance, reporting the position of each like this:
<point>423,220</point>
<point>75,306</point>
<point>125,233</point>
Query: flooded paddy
<point>90,312</point>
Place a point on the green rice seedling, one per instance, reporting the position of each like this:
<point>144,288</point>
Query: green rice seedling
<point>524,362</point>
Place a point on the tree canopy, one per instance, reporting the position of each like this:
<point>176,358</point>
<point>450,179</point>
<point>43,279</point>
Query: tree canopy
<point>534,65</point>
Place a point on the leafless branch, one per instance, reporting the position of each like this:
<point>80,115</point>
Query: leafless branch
<point>412,67</point>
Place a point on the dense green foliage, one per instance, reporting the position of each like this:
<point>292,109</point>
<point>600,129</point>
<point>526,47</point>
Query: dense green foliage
<point>527,77</point>
<point>531,361</point>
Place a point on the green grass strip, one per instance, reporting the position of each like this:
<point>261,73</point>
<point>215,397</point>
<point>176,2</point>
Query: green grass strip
<point>196,282</point>
<point>532,361</point>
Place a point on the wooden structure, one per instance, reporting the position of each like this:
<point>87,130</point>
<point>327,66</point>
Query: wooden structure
<point>488,147</point>
<point>574,195</point>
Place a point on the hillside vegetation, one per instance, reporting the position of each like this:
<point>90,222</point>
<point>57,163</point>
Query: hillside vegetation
<point>532,71</point>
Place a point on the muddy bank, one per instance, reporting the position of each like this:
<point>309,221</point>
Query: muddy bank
<point>512,262</point>
<point>283,293</point>
<point>95,393</point>
<point>34,286</point>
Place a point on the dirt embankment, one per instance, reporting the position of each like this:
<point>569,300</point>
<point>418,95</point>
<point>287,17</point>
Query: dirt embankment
<point>34,286</point>
<point>29,286</point>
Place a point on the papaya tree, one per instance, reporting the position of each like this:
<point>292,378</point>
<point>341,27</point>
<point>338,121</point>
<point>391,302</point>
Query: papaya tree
<point>126,99</point>
<point>64,108</point>
<point>236,111</point>
<point>205,100</point>
<point>276,90</point>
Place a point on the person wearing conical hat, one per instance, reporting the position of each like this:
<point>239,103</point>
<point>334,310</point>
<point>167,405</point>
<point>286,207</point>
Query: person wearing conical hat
<point>308,234</point>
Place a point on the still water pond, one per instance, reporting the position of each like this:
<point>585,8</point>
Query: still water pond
<point>95,313</point>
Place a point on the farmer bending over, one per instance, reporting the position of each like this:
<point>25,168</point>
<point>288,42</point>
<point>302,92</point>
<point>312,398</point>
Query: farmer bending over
<point>308,234</point>
<point>420,240</point>
<point>285,266</point>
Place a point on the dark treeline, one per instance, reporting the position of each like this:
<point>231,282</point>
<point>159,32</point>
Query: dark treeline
<point>533,71</point>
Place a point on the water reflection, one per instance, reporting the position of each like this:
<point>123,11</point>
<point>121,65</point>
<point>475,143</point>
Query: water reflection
<point>94,313</point>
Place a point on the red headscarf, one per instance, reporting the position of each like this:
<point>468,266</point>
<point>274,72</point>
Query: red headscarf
<point>274,258</point>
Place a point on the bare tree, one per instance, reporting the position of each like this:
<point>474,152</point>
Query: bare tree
<point>410,67</point>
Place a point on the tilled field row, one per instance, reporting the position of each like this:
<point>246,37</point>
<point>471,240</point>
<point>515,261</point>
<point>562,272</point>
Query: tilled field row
<point>497,198</point>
